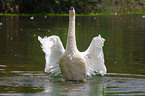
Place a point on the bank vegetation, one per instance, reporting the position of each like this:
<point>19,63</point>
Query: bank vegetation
<point>62,6</point>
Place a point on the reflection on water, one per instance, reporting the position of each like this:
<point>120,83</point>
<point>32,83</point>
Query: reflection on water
<point>22,61</point>
<point>38,83</point>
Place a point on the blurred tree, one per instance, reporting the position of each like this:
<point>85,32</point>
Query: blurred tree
<point>9,6</point>
<point>62,6</point>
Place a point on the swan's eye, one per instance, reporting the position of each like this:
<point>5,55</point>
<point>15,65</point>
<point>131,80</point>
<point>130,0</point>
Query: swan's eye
<point>71,7</point>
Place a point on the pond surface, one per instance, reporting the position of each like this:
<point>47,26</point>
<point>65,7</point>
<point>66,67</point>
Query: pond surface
<point>22,61</point>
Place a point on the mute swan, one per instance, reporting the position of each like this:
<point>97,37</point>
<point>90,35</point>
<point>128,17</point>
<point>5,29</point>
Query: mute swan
<point>74,65</point>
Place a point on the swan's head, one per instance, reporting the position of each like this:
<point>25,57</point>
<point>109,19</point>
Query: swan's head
<point>71,11</point>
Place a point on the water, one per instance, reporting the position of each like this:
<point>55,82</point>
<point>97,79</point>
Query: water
<point>22,61</point>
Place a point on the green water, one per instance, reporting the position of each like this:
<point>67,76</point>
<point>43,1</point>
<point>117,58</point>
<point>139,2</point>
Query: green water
<point>22,61</point>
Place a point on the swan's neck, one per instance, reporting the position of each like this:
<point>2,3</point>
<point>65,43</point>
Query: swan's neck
<point>71,40</point>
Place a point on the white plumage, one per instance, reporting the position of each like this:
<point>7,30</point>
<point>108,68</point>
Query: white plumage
<point>74,65</point>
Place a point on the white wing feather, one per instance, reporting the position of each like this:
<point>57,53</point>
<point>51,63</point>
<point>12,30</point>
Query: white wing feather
<point>94,57</point>
<point>53,49</point>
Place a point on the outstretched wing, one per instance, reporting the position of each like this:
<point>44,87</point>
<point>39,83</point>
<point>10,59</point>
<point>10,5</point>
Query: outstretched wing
<point>94,57</point>
<point>53,49</point>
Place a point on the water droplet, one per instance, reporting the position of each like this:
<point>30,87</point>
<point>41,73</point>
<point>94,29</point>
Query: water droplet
<point>38,28</point>
<point>48,30</point>
<point>143,16</point>
<point>1,23</point>
<point>32,18</point>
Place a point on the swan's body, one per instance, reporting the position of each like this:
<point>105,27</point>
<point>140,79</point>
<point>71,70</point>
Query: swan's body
<point>74,65</point>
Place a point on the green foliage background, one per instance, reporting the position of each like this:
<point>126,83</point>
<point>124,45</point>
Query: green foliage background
<point>81,6</point>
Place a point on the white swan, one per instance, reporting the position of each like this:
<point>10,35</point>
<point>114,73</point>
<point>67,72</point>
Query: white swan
<point>74,65</point>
